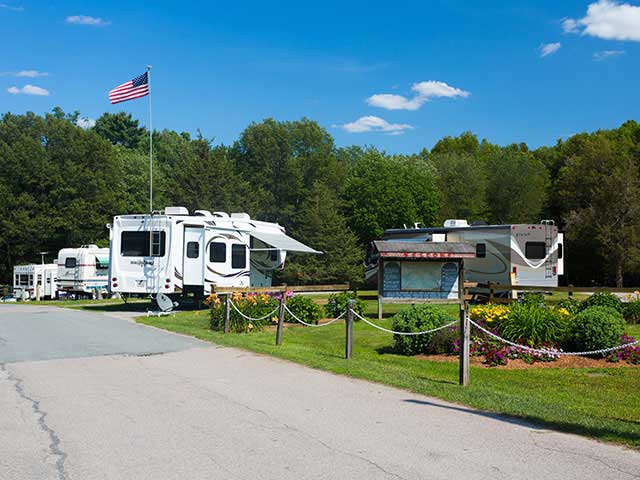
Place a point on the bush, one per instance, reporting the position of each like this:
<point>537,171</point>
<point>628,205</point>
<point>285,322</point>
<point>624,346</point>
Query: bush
<point>446,340</point>
<point>251,305</point>
<point>596,328</point>
<point>631,311</point>
<point>417,318</point>
<point>304,308</point>
<point>533,324</point>
<point>338,303</point>
<point>532,298</point>
<point>571,305</point>
<point>602,299</point>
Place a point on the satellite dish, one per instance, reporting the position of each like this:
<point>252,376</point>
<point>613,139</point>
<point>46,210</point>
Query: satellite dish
<point>164,302</point>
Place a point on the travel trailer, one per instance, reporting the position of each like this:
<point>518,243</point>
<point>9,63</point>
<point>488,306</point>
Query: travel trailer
<point>83,271</point>
<point>35,279</point>
<point>520,254</point>
<point>174,253</point>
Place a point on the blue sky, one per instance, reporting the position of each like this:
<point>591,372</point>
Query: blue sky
<point>398,76</point>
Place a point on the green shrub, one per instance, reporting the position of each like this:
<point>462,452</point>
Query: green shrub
<point>596,328</point>
<point>416,318</point>
<point>602,299</point>
<point>444,341</point>
<point>304,308</point>
<point>534,324</point>
<point>532,298</point>
<point>338,303</point>
<point>631,311</point>
<point>570,304</point>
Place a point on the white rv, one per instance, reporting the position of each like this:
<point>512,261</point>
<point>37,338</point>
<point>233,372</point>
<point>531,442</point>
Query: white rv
<point>528,254</point>
<point>83,270</point>
<point>31,280</point>
<point>173,252</point>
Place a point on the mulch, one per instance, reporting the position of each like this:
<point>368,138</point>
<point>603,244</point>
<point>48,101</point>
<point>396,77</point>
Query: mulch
<point>517,364</point>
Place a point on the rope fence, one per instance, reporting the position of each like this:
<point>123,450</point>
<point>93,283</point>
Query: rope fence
<point>311,324</point>
<point>403,333</point>
<point>545,351</point>
<point>252,318</point>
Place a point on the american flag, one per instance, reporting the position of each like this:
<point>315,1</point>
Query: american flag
<point>136,88</point>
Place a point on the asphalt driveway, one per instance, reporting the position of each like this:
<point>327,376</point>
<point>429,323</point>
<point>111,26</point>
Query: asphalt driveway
<point>29,333</point>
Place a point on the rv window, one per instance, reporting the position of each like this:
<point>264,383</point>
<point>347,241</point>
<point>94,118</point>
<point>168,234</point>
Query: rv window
<point>481,250</point>
<point>138,244</point>
<point>193,249</point>
<point>24,280</point>
<point>238,256</point>
<point>70,262</point>
<point>218,252</point>
<point>535,250</point>
<point>560,251</point>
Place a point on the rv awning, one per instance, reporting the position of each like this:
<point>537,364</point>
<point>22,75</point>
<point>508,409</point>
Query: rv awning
<point>102,262</point>
<point>281,241</point>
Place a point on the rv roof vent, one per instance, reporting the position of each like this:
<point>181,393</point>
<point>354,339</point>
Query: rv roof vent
<point>241,216</point>
<point>176,211</point>
<point>221,214</point>
<point>89,246</point>
<point>477,223</point>
<point>202,213</point>
<point>453,223</point>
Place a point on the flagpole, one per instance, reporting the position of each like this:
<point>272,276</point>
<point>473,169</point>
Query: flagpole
<point>150,143</point>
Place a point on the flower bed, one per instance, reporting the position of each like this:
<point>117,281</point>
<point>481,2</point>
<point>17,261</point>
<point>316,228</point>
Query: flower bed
<point>596,323</point>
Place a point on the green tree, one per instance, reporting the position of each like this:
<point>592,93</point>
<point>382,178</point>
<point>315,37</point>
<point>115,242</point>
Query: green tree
<point>384,192</point>
<point>282,160</point>
<point>120,129</point>
<point>517,186</point>
<point>463,183</point>
<point>599,187</point>
<point>321,225</point>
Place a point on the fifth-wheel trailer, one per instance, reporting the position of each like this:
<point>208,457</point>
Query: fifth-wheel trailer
<point>83,270</point>
<point>516,254</point>
<point>173,252</point>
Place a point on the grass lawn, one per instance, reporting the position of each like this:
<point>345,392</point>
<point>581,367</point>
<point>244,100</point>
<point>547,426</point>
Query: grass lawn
<point>603,403</point>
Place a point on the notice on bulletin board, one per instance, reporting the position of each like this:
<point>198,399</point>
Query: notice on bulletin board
<point>420,280</point>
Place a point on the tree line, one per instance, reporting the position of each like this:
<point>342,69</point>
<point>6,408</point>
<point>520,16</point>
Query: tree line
<point>60,184</point>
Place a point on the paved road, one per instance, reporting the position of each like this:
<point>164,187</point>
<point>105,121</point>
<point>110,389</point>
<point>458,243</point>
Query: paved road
<point>220,413</point>
<point>44,333</point>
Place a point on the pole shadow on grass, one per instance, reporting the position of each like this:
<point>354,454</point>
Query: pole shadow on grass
<point>537,423</point>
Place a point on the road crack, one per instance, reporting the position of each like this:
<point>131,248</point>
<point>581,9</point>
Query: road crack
<point>54,439</point>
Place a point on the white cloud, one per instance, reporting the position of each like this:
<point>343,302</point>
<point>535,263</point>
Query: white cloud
<point>31,73</point>
<point>371,123</point>
<point>549,49</point>
<point>603,55</point>
<point>85,122</point>
<point>87,20</point>
<point>28,90</point>
<point>609,20</point>
<point>11,7</point>
<point>423,92</point>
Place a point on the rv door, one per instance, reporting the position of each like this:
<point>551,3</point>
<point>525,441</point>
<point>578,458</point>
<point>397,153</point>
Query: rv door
<point>193,256</point>
<point>560,253</point>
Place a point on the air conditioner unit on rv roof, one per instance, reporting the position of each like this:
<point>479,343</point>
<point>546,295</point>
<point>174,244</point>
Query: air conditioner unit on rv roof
<point>241,216</point>
<point>454,223</point>
<point>176,211</point>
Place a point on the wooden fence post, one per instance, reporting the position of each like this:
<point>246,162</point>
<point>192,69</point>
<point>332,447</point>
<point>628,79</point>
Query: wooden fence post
<point>348,348</point>
<point>227,312</point>
<point>464,331</point>
<point>280,318</point>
